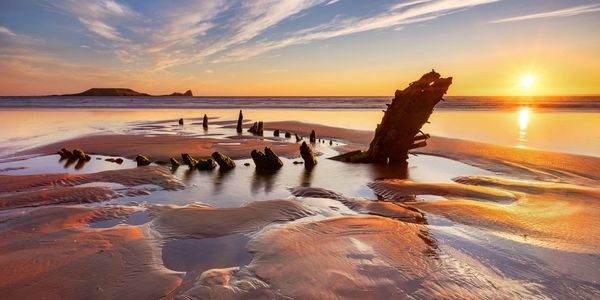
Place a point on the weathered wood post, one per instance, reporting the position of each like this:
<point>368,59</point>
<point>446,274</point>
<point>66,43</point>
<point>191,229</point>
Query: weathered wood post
<point>400,127</point>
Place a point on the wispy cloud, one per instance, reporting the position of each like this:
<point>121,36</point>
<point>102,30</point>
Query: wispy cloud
<point>4,30</point>
<point>254,19</point>
<point>96,14</point>
<point>169,34</point>
<point>405,13</point>
<point>102,29</point>
<point>567,12</point>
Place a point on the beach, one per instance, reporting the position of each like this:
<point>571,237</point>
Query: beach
<point>493,207</point>
<point>299,149</point>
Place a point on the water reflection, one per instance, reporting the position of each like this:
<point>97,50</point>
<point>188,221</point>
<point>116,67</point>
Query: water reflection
<point>220,176</point>
<point>523,123</point>
<point>306,177</point>
<point>263,180</point>
<point>203,254</point>
<point>523,118</point>
<point>188,174</point>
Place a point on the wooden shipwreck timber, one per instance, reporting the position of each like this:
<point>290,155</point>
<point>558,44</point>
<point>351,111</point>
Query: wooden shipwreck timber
<point>400,128</point>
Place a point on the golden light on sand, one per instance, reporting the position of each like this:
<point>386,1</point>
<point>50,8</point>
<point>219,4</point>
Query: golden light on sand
<point>527,80</point>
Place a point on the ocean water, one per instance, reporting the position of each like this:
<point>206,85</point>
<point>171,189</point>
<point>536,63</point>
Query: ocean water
<point>566,103</point>
<point>521,126</point>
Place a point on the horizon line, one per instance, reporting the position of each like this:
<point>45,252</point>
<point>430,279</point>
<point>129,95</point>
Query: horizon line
<point>305,96</point>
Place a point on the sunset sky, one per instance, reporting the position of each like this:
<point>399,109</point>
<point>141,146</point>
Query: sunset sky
<point>293,47</point>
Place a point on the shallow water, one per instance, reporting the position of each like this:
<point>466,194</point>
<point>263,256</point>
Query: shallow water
<point>244,184</point>
<point>572,132</point>
<point>207,253</point>
<point>137,218</point>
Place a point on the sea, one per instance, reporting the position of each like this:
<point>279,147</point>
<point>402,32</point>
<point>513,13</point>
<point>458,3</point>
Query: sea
<point>560,103</point>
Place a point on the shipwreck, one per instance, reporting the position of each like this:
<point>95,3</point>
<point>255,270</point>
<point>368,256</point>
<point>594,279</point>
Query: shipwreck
<point>400,128</point>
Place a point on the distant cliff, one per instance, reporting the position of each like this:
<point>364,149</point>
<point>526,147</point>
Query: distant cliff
<point>187,93</point>
<point>122,92</point>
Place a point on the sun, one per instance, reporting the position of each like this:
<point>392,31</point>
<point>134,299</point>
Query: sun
<point>527,80</point>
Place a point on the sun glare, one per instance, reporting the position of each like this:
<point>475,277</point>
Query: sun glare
<point>523,118</point>
<point>527,80</point>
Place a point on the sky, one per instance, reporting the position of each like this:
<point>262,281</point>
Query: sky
<point>299,47</point>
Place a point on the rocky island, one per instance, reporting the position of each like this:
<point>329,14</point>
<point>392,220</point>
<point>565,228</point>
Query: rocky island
<point>123,92</point>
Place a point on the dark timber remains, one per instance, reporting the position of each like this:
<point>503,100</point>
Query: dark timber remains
<point>400,128</point>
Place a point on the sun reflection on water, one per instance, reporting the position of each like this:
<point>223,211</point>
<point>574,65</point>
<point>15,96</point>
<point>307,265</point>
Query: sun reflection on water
<point>523,123</point>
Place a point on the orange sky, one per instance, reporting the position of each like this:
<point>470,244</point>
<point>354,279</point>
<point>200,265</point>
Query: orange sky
<point>293,49</point>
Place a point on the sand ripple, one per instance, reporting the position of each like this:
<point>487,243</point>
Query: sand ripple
<point>370,258</point>
<point>46,189</point>
<point>561,216</point>
<point>199,220</point>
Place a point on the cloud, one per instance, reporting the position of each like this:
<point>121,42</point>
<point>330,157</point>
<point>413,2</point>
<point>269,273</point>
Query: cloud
<point>95,15</point>
<point>102,29</point>
<point>567,12</point>
<point>183,24</point>
<point>254,19</point>
<point>4,30</point>
<point>332,2</point>
<point>405,13</point>
<point>165,35</point>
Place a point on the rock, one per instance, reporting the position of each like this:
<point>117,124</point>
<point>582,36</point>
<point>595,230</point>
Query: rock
<point>76,154</point>
<point>174,162</point>
<point>309,157</point>
<point>267,161</point>
<point>246,164</point>
<point>402,121</point>
<point>297,162</point>
<point>79,154</point>
<point>181,121</point>
<point>288,135</point>
<point>298,138</point>
<point>330,142</point>
<point>188,160</point>
<point>239,122</point>
<point>276,132</point>
<point>224,161</point>
<point>115,160</point>
<point>142,160</point>
<point>257,128</point>
<point>187,93</point>
<point>111,92</point>
<point>253,128</point>
<point>161,162</point>
<point>313,137</point>
<point>205,164</point>
<point>205,122</point>
<point>260,128</point>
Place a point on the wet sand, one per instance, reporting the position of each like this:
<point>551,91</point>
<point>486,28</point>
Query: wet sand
<point>486,235</point>
<point>163,147</point>
<point>49,253</point>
